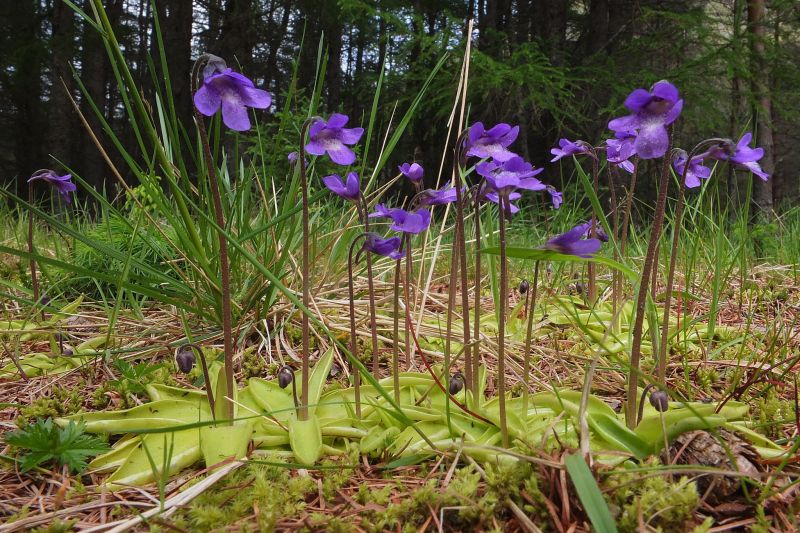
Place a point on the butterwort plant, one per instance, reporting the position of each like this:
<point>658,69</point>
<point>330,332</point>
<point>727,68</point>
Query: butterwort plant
<point>65,187</point>
<point>329,137</point>
<point>568,148</point>
<point>218,87</point>
<point>504,177</point>
<point>691,168</point>
<point>371,243</point>
<point>408,223</point>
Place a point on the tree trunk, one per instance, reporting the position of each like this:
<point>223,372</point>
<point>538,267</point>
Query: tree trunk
<point>61,118</point>
<point>763,109</point>
<point>175,18</point>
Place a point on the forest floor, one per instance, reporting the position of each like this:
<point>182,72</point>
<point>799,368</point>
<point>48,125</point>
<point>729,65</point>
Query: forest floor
<point>449,492</point>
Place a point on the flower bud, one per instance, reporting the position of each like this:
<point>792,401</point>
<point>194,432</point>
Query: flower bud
<point>185,359</point>
<point>285,376</point>
<point>456,383</point>
<point>660,400</point>
<point>524,286</point>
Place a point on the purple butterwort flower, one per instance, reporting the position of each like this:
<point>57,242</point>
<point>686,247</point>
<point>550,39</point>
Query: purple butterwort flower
<point>61,183</point>
<point>652,111</point>
<point>696,169</point>
<point>350,189</point>
<point>333,137</point>
<point>385,247</point>
<point>515,173</point>
<point>567,147</point>
<point>412,171</point>
<point>556,197</point>
<point>404,221</point>
<point>743,156</point>
<point>492,143</point>
<point>573,242</point>
<point>620,149</point>
<point>445,195</point>
<point>234,92</point>
<point>510,208</point>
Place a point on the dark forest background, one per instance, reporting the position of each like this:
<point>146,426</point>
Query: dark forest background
<point>556,67</point>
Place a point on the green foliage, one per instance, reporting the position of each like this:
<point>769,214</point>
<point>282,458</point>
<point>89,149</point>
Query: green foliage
<point>43,442</point>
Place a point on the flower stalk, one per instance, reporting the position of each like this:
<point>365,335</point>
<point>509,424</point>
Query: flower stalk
<point>219,218</point>
<point>531,306</point>
<point>641,298</point>
<point>501,324</point>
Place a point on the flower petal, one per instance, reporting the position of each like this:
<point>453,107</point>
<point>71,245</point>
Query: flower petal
<point>339,153</point>
<point>234,115</point>
<point>207,100</point>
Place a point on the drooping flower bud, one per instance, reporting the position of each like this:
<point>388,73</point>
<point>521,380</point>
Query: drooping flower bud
<point>524,286</point>
<point>456,383</point>
<point>285,376</point>
<point>185,359</point>
<point>660,400</point>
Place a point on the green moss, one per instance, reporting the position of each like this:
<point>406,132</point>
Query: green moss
<point>769,412</point>
<point>57,526</point>
<point>61,402</point>
<point>663,504</point>
<point>269,493</point>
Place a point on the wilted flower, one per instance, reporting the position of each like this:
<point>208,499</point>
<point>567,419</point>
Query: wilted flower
<point>742,156</point>
<point>404,221</point>
<point>556,197</point>
<point>567,147</point>
<point>412,171</point>
<point>333,137</point>
<point>660,400</point>
<point>620,149</point>
<point>445,195</point>
<point>349,190</point>
<point>573,242</point>
<point>492,143</point>
<point>231,90</point>
<point>652,111</point>
<point>62,184</point>
<point>513,174</point>
<point>285,376</point>
<point>185,359</point>
<point>696,169</point>
<point>386,247</point>
<point>456,383</point>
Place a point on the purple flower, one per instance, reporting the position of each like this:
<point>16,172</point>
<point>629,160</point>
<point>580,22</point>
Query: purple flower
<point>234,92</point>
<point>573,242</point>
<point>652,111</point>
<point>404,221</point>
<point>510,208</point>
<point>567,147</point>
<point>515,173</point>
<point>492,143</point>
<point>385,247</point>
<point>413,171</point>
<point>333,137</point>
<point>62,183</point>
<point>350,190</point>
<point>743,156</point>
<point>620,149</point>
<point>445,195</point>
<point>696,169</point>
<point>556,197</point>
